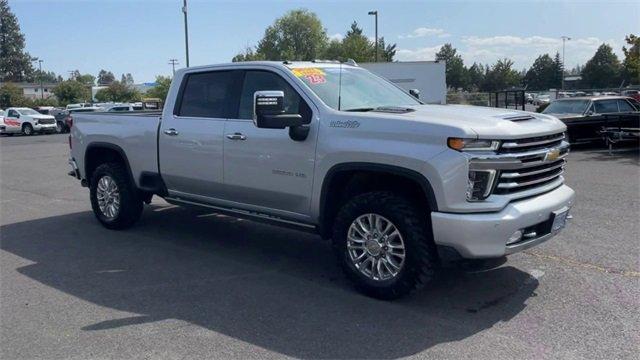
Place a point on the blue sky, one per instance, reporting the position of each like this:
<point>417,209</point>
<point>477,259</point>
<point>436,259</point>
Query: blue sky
<point>140,36</point>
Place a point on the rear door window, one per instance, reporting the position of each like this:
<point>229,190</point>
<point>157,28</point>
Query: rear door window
<point>210,95</point>
<point>625,106</point>
<point>606,106</point>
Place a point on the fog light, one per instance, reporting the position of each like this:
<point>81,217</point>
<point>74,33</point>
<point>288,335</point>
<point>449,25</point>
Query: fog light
<point>515,237</point>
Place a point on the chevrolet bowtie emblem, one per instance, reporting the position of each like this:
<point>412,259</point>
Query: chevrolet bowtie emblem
<point>552,155</point>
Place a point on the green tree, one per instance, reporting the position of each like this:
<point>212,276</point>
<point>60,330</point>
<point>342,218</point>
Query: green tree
<point>456,73</point>
<point>357,46</point>
<point>11,95</point>
<point>161,89</point>
<point>72,91</point>
<point>118,92</point>
<point>248,55</point>
<point>631,63</point>
<point>475,77</point>
<point>87,79</point>
<point>386,53</point>
<point>105,77</point>
<point>15,63</point>
<point>298,35</point>
<point>558,71</point>
<point>501,76</point>
<point>127,79</point>
<point>48,77</point>
<point>542,75</point>
<point>603,69</point>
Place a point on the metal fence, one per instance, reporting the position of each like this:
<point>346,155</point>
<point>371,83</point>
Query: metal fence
<point>508,99</point>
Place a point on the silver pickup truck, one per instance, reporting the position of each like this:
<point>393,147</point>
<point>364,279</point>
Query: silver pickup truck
<point>397,185</point>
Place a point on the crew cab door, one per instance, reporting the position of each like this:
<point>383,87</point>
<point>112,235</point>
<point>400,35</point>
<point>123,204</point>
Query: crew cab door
<point>190,141</point>
<point>265,170</point>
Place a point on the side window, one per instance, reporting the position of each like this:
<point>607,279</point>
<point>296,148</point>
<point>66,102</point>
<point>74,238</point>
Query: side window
<point>606,106</point>
<point>12,113</point>
<point>625,106</point>
<point>256,80</point>
<point>211,95</point>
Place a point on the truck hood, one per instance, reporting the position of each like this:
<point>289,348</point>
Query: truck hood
<point>485,122</point>
<point>41,117</point>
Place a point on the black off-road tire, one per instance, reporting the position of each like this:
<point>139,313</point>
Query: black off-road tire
<point>130,202</point>
<point>421,261</point>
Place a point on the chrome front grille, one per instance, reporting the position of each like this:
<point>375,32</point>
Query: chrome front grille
<point>529,144</point>
<point>46,121</point>
<point>527,166</point>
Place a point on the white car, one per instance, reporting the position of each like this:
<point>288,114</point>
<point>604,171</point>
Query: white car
<point>27,121</point>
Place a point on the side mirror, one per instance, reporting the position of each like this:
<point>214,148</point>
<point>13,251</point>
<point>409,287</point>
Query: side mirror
<point>268,111</point>
<point>589,113</point>
<point>415,93</point>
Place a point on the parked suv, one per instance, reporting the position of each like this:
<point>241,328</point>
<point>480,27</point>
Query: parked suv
<point>334,149</point>
<point>27,121</point>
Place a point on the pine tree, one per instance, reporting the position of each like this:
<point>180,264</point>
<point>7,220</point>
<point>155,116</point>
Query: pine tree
<point>15,63</point>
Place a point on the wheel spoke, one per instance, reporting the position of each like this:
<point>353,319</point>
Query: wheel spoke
<point>377,259</point>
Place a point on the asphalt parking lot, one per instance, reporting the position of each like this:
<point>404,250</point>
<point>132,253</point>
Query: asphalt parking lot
<point>188,284</point>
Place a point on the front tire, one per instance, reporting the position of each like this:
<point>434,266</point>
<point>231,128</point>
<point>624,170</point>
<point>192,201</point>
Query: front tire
<point>379,264</point>
<point>114,199</point>
<point>27,129</point>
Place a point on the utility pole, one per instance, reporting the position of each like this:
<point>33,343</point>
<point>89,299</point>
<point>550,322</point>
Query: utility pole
<point>186,31</point>
<point>173,63</point>
<point>375,13</point>
<point>564,39</point>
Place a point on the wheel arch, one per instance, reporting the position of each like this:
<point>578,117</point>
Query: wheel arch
<point>338,179</point>
<point>97,153</point>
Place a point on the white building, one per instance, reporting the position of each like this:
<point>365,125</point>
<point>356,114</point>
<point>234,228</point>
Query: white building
<point>426,76</point>
<point>34,91</point>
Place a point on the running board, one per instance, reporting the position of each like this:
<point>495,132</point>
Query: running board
<point>249,215</point>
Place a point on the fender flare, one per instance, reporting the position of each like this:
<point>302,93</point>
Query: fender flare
<point>382,168</point>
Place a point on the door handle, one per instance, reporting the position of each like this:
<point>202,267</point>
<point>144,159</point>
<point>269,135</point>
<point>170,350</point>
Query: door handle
<point>236,136</point>
<point>171,132</point>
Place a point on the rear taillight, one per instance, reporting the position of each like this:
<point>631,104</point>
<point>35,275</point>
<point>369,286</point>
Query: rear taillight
<point>69,121</point>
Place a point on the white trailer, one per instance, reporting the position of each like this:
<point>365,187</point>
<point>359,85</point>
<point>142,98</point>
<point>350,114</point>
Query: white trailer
<point>426,76</point>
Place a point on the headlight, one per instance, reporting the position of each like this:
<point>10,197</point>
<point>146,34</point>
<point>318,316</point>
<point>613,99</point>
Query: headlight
<point>473,144</point>
<point>480,184</point>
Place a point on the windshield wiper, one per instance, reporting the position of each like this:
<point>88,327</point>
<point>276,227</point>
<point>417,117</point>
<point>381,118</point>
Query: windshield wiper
<point>364,109</point>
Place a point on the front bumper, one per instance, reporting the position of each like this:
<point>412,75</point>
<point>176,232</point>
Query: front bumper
<point>485,235</point>
<point>44,127</point>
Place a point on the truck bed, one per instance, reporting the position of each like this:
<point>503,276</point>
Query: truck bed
<point>133,134</point>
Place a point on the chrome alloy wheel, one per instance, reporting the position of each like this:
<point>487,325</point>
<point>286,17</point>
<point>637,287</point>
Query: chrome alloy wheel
<point>375,247</point>
<point>108,197</point>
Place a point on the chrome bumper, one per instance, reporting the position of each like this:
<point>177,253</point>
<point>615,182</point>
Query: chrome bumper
<point>485,235</point>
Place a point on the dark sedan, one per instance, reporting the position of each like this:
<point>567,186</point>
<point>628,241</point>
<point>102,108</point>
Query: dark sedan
<point>586,117</point>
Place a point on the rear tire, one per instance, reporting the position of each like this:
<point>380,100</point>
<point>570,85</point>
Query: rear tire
<point>114,198</point>
<point>59,127</point>
<point>27,129</point>
<point>420,260</point>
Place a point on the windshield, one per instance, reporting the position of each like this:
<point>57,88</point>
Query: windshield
<point>28,112</point>
<point>361,90</point>
<point>567,107</point>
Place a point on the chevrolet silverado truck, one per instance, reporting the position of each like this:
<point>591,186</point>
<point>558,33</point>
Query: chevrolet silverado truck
<point>331,148</point>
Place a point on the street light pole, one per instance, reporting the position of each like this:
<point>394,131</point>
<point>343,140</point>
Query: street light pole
<point>375,13</point>
<point>564,39</point>
<point>186,31</point>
